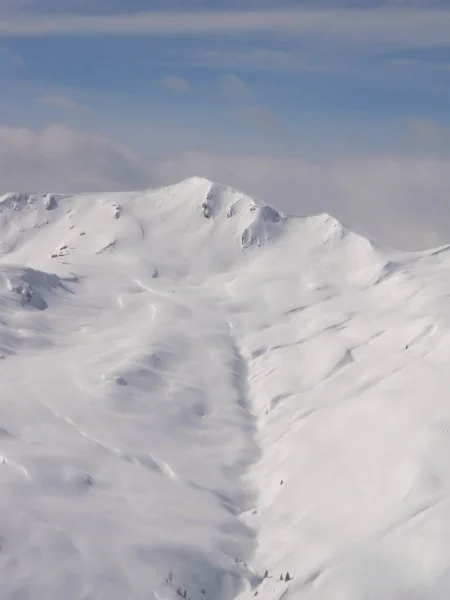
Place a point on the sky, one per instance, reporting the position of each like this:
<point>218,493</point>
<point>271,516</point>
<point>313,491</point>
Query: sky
<point>312,106</point>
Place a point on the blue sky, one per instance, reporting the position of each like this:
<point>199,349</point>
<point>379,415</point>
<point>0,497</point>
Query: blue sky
<point>313,80</point>
<point>318,80</point>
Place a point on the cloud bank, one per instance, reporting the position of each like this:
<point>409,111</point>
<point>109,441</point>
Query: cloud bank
<point>175,84</point>
<point>390,25</point>
<point>60,159</point>
<point>61,102</point>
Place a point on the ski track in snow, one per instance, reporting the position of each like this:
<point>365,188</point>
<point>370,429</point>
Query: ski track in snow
<point>197,389</point>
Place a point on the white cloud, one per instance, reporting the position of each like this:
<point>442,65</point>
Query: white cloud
<point>417,63</point>
<point>258,115</point>
<point>260,59</point>
<point>61,159</point>
<point>396,26</point>
<point>234,86</point>
<point>429,135</point>
<point>175,84</point>
<point>10,59</point>
<point>60,102</point>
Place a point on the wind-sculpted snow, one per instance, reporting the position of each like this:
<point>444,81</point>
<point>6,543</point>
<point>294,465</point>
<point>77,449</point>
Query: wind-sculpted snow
<point>202,397</point>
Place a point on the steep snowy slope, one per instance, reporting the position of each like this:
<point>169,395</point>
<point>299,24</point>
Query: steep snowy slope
<point>196,389</point>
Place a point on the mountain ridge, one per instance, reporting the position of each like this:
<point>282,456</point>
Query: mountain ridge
<point>258,224</point>
<point>191,399</point>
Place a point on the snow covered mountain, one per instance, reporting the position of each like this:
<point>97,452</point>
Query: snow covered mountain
<point>200,394</point>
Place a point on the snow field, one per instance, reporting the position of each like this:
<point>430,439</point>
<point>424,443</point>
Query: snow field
<point>196,389</point>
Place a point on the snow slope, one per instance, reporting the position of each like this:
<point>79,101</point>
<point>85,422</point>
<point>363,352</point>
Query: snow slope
<point>196,389</point>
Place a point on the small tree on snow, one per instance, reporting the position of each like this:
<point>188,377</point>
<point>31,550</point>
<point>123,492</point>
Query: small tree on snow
<point>281,577</point>
<point>266,574</point>
<point>288,577</point>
